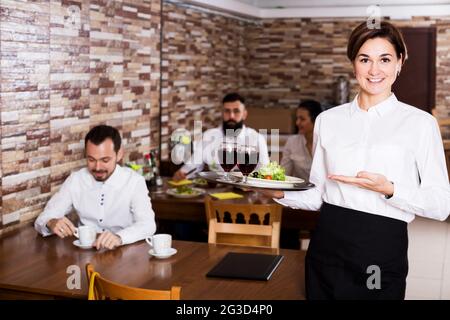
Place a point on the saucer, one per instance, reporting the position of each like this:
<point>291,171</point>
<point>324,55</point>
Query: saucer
<point>164,255</point>
<point>79,245</point>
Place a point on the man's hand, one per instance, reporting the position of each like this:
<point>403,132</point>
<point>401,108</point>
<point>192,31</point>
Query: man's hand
<point>367,180</point>
<point>179,175</point>
<point>61,227</point>
<point>108,240</point>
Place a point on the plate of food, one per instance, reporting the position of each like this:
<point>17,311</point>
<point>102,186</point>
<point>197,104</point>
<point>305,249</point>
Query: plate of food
<point>185,192</point>
<point>236,179</point>
<point>273,175</point>
<point>200,182</point>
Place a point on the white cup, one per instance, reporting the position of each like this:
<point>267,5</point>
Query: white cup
<point>86,234</point>
<point>160,243</point>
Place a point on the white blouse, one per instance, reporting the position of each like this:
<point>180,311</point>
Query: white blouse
<point>392,138</point>
<point>296,157</point>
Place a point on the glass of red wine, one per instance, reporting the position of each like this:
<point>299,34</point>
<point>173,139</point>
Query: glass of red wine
<point>227,157</point>
<point>247,159</point>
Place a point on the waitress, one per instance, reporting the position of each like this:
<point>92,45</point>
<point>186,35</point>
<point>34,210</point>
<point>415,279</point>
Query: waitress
<point>377,163</point>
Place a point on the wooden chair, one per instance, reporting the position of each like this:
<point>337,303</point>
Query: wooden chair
<point>103,289</point>
<point>256,225</point>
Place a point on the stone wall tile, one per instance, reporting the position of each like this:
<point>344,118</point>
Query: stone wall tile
<point>65,66</point>
<point>25,107</point>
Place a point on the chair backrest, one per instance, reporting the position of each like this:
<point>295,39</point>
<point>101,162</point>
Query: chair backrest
<point>243,224</point>
<point>103,289</point>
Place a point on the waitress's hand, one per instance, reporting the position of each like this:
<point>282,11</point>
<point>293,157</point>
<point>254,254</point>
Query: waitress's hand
<point>271,193</point>
<point>367,180</point>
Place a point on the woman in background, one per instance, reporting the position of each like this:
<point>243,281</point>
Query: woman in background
<point>297,153</point>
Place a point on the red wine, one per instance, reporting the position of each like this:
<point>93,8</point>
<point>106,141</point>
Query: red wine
<point>227,159</point>
<point>247,162</point>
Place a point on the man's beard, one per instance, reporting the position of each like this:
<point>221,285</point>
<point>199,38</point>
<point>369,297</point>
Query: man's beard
<point>106,177</point>
<point>103,178</point>
<point>232,128</point>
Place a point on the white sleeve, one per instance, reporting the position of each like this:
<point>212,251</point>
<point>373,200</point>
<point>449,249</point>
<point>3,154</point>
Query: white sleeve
<point>432,198</point>
<point>57,207</point>
<point>310,199</point>
<point>143,216</point>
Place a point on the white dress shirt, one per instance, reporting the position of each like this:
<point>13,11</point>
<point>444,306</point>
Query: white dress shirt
<point>392,138</point>
<point>205,151</point>
<point>120,204</point>
<point>296,157</point>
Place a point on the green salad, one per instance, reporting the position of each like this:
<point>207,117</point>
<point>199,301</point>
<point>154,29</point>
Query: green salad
<point>185,190</point>
<point>200,181</point>
<point>272,171</point>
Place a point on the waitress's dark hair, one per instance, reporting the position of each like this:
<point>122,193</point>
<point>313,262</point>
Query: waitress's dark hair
<point>100,133</point>
<point>313,107</point>
<point>386,31</point>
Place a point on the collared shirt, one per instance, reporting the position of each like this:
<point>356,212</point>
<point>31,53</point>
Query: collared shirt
<point>296,157</point>
<point>120,204</point>
<point>392,138</point>
<point>205,151</point>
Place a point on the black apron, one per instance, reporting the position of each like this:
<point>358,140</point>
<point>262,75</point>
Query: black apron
<point>356,255</point>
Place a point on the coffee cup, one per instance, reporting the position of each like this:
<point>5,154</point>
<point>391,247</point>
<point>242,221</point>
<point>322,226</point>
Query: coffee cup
<point>160,243</point>
<point>86,235</point>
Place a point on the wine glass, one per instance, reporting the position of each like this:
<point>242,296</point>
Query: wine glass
<point>227,157</point>
<point>247,159</point>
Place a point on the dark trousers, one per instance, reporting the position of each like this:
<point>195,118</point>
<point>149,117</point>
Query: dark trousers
<point>356,255</point>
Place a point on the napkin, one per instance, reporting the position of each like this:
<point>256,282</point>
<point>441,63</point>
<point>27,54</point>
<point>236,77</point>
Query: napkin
<point>179,183</point>
<point>226,195</point>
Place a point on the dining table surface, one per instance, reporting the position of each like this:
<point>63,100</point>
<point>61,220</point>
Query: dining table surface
<point>36,267</point>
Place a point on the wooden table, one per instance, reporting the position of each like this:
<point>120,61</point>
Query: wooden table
<point>193,209</point>
<point>35,267</point>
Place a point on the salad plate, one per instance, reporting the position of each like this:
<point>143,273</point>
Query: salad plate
<point>272,175</point>
<point>288,182</point>
<point>200,182</point>
<point>236,180</point>
<point>185,192</point>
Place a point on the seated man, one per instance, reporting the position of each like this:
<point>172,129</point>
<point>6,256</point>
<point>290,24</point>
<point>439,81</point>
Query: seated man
<point>112,199</point>
<point>234,114</point>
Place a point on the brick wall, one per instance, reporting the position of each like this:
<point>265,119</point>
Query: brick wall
<point>67,65</point>
<point>272,62</point>
<point>293,59</point>
<point>203,58</point>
